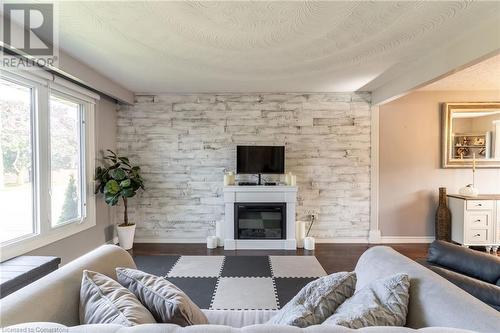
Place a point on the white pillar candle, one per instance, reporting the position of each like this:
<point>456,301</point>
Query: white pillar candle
<point>300,233</point>
<point>287,178</point>
<point>219,232</point>
<point>293,180</point>
<point>309,243</point>
<point>212,242</point>
<point>232,178</point>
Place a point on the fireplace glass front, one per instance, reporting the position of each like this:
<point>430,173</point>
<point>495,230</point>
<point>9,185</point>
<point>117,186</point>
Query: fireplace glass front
<point>259,220</point>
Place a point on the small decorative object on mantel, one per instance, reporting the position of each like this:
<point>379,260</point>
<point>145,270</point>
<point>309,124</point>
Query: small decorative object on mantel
<point>290,179</point>
<point>470,190</point>
<point>443,218</point>
<point>118,179</point>
<point>229,178</point>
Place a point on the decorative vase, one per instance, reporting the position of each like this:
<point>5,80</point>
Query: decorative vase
<point>126,236</point>
<point>443,218</point>
<point>469,191</point>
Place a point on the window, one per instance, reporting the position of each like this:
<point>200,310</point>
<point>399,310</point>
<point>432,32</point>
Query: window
<point>46,152</point>
<point>16,161</point>
<point>66,137</point>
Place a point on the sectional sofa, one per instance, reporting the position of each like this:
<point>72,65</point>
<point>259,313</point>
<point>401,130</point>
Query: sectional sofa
<point>436,305</point>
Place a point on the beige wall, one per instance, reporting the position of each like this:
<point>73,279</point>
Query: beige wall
<point>410,161</point>
<point>74,246</point>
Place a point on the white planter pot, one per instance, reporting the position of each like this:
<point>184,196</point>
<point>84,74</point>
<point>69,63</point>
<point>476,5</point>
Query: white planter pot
<point>309,243</point>
<point>126,236</point>
<point>212,242</point>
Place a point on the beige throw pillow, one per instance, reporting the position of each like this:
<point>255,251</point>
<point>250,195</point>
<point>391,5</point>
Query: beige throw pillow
<point>383,302</point>
<point>105,301</point>
<point>167,303</point>
<point>317,300</point>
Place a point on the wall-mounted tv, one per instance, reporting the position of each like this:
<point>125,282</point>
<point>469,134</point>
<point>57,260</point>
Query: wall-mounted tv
<point>260,159</point>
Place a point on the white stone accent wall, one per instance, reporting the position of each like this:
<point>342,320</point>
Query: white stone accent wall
<point>184,143</point>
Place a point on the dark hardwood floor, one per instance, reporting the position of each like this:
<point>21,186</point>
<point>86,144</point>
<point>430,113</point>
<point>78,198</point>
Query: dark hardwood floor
<point>333,257</point>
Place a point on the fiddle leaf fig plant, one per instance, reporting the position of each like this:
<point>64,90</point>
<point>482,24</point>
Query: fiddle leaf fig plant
<point>118,179</point>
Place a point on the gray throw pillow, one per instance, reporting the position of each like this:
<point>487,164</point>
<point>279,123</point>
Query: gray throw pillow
<point>317,300</point>
<point>105,301</point>
<point>167,303</point>
<point>383,302</point>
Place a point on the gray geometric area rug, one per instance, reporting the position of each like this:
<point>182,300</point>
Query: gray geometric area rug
<point>235,282</point>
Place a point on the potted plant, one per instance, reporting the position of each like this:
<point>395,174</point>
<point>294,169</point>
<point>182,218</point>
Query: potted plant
<point>118,179</point>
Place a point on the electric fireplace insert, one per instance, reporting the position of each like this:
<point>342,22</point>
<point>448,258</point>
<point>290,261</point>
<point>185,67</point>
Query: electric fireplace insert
<point>260,221</point>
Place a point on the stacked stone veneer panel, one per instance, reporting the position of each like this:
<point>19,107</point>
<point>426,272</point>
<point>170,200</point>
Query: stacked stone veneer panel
<point>184,143</point>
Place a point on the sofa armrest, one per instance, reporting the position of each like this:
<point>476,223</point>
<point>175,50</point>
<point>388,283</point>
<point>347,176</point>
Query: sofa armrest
<point>434,301</point>
<point>472,263</point>
<point>56,297</point>
<point>486,292</point>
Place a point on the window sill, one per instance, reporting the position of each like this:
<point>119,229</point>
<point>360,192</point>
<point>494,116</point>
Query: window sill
<point>34,242</point>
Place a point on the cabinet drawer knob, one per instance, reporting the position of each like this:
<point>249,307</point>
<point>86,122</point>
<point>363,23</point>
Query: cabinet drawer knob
<point>477,235</point>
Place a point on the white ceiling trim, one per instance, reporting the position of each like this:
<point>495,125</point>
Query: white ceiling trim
<point>471,47</point>
<point>482,76</point>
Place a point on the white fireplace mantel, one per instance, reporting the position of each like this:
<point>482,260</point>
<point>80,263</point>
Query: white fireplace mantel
<point>259,194</point>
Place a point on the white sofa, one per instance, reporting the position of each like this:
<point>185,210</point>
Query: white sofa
<point>51,303</point>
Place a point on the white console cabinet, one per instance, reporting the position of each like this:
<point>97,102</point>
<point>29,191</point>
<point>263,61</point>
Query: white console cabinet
<point>475,221</point>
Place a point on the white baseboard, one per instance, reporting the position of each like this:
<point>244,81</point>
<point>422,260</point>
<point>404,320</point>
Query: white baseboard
<point>406,239</point>
<point>343,240</point>
<point>374,237</point>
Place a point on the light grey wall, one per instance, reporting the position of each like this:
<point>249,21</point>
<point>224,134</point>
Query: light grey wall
<point>185,142</point>
<point>410,161</point>
<point>86,74</point>
<point>74,246</point>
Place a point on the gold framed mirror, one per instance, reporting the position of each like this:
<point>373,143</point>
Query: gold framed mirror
<point>471,131</point>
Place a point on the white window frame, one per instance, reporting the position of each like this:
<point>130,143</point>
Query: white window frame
<point>42,84</point>
<point>82,117</point>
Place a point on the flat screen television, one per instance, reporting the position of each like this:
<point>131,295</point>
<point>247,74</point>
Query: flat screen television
<point>260,159</point>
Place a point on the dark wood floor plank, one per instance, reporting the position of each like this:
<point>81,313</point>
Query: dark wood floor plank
<point>333,257</point>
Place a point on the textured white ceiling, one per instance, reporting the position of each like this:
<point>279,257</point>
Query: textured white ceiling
<point>482,76</point>
<point>258,46</point>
